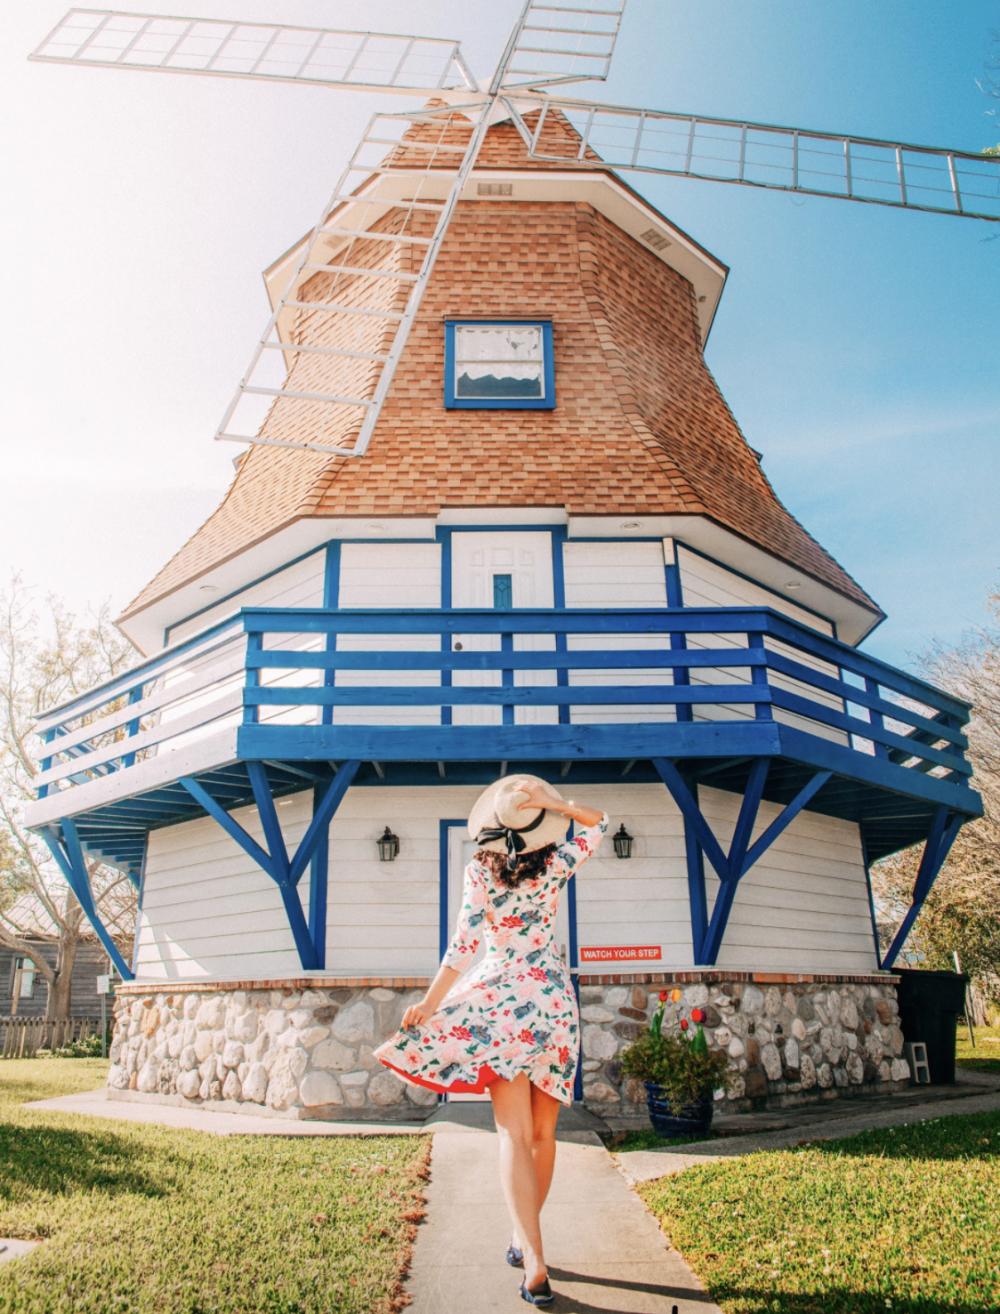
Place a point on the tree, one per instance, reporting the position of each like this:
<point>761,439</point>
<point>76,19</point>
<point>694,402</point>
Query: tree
<point>41,666</point>
<point>962,911</point>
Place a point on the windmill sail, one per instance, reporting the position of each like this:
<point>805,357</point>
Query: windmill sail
<point>324,363</point>
<point>847,168</point>
<point>373,61</point>
<point>562,41</point>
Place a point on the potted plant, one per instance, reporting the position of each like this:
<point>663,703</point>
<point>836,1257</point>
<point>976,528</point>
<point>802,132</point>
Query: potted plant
<point>679,1072</point>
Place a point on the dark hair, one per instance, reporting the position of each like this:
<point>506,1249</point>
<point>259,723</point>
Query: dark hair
<point>528,866</point>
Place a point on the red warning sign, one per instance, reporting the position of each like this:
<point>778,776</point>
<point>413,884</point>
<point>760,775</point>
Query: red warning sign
<point>615,953</point>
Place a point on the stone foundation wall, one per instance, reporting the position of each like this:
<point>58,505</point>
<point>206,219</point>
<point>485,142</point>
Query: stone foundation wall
<point>303,1049</point>
<point>294,1050</point>
<point>791,1039</point>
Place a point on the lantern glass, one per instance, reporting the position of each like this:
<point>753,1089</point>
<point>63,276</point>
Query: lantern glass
<point>623,842</point>
<point>388,845</point>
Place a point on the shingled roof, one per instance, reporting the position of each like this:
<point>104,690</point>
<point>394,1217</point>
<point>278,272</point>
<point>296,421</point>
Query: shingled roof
<point>640,426</point>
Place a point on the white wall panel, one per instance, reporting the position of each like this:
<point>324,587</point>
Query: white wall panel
<point>209,912</point>
<point>704,583</point>
<point>389,575</point>
<point>617,573</point>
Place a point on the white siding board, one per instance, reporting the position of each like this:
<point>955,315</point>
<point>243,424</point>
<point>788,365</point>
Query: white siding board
<point>209,912</point>
<point>298,585</point>
<point>389,575</point>
<point>617,573</point>
<point>706,584</point>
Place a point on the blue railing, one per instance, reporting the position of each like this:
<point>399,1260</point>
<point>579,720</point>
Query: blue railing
<point>462,684</point>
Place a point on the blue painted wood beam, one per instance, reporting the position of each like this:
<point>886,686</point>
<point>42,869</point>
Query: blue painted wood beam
<point>322,816</point>
<point>318,880</point>
<point>684,799</point>
<point>268,814</point>
<point>519,743</point>
<point>697,896</point>
<point>944,828</point>
<point>749,808</point>
<point>68,853</point>
<point>788,814</point>
<point>732,866</point>
<point>232,828</point>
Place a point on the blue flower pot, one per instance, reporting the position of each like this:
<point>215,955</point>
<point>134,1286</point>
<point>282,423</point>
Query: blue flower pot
<point>688,1120</point>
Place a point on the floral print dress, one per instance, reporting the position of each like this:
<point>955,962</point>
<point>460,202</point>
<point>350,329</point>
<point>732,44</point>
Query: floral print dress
<point>516,1010</point>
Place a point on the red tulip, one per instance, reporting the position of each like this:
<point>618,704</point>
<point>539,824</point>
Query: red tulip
<point>684,1024</point>
<point>663,996</point>
<point>697,1015</point>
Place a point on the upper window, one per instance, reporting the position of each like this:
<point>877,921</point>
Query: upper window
<point>499,364</point>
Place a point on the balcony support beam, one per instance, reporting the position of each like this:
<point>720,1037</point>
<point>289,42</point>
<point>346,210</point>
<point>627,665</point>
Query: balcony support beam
<point>944,828</point>
<point>731,866</point>
<point>285,871</point>
<point>63,842</point>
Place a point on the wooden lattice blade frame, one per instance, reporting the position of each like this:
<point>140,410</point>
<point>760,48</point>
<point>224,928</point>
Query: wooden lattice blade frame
<point>162,43</point>
<point>839,166</point>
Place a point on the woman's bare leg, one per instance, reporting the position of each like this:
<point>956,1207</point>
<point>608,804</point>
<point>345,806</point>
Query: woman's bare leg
<point>512,1112</point>
<point>544,1116</point>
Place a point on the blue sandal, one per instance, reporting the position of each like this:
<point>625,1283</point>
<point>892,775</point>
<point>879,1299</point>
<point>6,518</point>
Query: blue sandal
<point>514,1256</point>
<point>543,1296</point>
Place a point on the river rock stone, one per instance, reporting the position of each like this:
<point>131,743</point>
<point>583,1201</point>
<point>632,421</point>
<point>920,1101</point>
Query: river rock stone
<point>384,1088</point>
<point>355,1023</point>
<point>320,1088</point>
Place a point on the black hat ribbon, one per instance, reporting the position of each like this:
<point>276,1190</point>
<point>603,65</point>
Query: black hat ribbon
<point>511,835</point>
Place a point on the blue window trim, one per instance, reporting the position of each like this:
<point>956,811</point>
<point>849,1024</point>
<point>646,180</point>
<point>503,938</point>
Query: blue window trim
<point>453,403</point>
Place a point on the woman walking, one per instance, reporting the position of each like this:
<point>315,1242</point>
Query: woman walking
<point>512,1027</point>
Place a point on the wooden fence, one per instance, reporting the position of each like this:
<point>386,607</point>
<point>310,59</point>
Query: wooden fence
<point>22,1037</point>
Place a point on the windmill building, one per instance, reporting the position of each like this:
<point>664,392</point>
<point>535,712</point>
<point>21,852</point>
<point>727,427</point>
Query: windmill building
<point>526,533</point>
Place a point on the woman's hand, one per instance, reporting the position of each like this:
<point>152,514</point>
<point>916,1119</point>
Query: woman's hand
<point>416,1015</point>
<point>540,796</point>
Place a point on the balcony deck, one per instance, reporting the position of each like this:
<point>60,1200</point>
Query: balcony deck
<point>417,696</point>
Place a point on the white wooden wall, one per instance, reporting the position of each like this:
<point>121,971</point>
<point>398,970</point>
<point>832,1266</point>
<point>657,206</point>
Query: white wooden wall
<point>704,583</point>
<point>389,575</point>
<point>298,585</point>
<point>617,574</point>
<point>208,912</point>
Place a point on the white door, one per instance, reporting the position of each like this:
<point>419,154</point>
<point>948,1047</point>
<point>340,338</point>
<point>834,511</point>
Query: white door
<point>460,850</point>
<point>502,569</point>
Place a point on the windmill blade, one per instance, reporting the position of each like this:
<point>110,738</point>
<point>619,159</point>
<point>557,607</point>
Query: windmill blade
<point>559,41</point>
<point>326,359</point>
<point>827,164</point>
<point>372,61</point>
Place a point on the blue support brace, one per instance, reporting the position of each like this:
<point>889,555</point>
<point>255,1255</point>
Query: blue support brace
<point>310,937</point>
<point>68,853</point>
<point>730,867</point>
<point>318,876</point>
<point>944,827</point>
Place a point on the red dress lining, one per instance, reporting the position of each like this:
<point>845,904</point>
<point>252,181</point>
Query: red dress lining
<point>486,1075</point>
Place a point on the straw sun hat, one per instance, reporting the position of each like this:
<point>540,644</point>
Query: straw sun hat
<point>499,825</point>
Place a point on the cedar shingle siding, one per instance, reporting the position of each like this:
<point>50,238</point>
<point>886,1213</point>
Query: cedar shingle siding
<point>638,415</point>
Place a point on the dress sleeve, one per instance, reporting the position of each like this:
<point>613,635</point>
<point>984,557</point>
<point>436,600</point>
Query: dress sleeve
<point>573,852</point>
<point>467,935</point>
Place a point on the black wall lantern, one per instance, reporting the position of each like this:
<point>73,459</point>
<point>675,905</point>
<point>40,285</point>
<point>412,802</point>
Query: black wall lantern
<point>623,842</point>
<point>388,845</point>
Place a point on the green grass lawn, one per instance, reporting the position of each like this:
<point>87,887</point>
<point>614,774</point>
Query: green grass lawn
<point>902,1220</point>
<point>986,1055</point>
<point>140,1219</point>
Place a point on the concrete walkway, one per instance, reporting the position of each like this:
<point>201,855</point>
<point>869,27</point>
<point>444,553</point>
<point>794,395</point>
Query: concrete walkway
<point>190,1117</point>
<point>604,1249</point>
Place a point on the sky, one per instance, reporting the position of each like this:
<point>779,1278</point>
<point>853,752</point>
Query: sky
<point>856,344</point>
